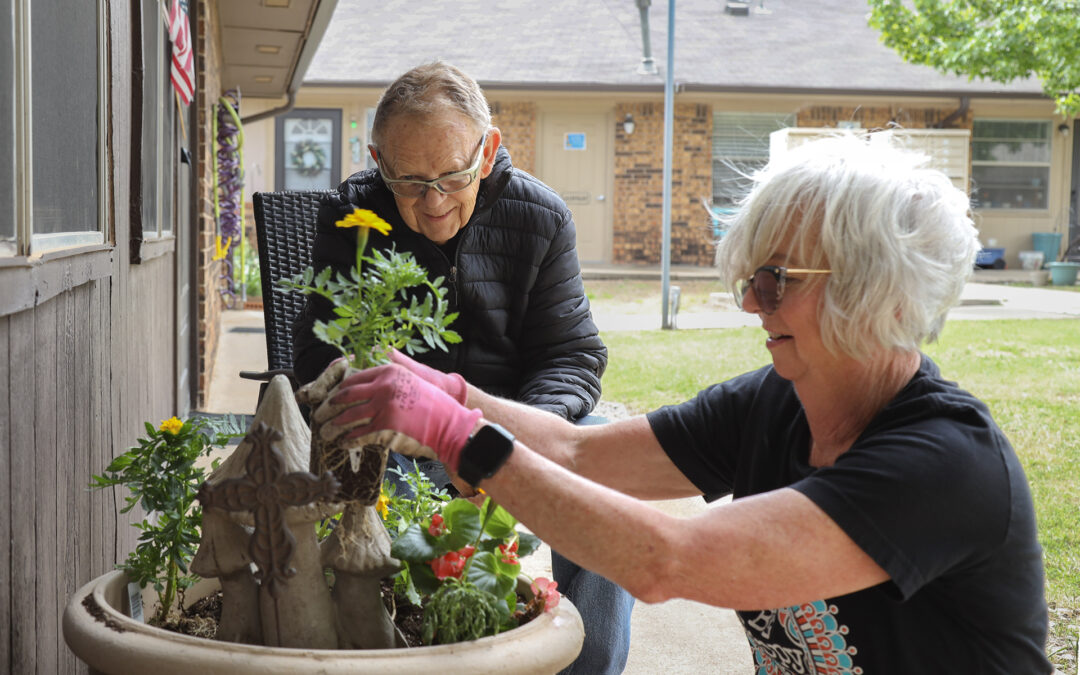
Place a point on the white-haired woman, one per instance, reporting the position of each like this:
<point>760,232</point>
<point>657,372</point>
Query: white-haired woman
<point>881,522</point>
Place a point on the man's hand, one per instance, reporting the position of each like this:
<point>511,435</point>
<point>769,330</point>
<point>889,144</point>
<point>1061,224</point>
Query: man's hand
<point>451,383</point>
<point>391,406</point>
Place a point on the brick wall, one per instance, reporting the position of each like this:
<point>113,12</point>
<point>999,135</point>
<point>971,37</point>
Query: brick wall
<point>208,88</point>
<point>639,187</point>
<point>517,122</point>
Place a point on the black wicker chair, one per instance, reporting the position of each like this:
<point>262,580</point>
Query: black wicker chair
<point>285,225</point>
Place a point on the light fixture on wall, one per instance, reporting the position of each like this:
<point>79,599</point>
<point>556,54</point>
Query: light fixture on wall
<point>628,124</point>
<point>1063,129</point>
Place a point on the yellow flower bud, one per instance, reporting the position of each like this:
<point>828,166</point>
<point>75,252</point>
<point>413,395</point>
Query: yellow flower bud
<point>171,425</point>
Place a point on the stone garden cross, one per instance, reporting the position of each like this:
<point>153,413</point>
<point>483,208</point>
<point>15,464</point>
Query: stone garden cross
<point>265,491</point>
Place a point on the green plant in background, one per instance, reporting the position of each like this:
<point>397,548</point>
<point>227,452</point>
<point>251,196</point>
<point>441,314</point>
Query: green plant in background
<point>250,274</point>
<point>375,312</point>
<point>162,477</point>
<point>460,561</point>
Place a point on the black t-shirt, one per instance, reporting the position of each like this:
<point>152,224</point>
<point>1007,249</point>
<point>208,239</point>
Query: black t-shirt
<point>932,491</point>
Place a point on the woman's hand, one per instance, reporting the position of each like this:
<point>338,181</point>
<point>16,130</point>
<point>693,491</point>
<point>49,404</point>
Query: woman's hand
<point>451,383</point>
<point>391,406</point>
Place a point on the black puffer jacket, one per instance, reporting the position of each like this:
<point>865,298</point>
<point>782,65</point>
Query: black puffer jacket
<point>527,331</point>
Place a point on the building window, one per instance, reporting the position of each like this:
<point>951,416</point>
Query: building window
<point>1010,163</point>
<point>740,147</point>
<point>53,175</point>
<point>154,219</point>
<point>308,148</point>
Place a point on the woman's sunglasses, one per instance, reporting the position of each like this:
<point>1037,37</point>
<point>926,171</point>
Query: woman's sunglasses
<point>768,282</point>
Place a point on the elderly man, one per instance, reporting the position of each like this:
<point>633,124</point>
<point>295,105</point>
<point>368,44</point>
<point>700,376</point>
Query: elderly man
<point>505,244</point>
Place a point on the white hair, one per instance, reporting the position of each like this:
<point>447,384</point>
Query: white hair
<point>897,236</point>
<point>431,89</point>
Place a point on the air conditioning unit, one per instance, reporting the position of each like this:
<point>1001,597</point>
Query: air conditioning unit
<point>949,150</point>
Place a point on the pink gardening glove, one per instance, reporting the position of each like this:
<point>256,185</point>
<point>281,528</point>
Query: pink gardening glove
<point>452,383</point>
<point>391,406</point>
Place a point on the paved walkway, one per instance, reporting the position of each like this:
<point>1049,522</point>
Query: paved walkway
<point>678,637</point>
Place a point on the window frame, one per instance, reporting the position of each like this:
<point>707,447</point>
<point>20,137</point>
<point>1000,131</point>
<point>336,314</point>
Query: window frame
<point>36,267</point>
<point>147,243</point>
<point>1047,165</point>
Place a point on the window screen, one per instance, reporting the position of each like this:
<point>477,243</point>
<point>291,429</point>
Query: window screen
<point>740,147</point>
<point>64,142</point>
<point>1010,163</point>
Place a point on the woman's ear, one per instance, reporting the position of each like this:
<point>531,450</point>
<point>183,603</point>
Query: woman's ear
<point>491,147</point>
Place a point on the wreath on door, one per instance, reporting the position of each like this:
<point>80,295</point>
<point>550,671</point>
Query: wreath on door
<point>308,158</point>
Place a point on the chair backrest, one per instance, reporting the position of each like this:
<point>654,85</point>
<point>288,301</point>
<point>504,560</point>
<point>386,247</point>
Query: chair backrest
<point>285,225</point>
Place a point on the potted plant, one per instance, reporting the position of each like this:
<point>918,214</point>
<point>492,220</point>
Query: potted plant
<point>461,555</point>
<point>1063,271</point>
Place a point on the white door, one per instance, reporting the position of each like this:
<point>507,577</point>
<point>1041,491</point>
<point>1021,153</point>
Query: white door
<point>574,161</point>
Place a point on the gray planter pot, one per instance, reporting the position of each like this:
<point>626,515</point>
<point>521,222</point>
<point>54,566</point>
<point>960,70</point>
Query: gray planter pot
<point>99,631</point>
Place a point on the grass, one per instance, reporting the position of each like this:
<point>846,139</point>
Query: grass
<point>1027,372</point>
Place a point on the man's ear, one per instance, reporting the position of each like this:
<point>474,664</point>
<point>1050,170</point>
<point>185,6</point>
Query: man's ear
<point>374,153</point>
<point>491,146</point>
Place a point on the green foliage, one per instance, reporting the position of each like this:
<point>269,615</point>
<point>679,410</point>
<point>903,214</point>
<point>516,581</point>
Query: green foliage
<point>459,611</point>
<point>474,588</point>
<point>999,40</point>
<point>161,476</point>
<point>375,313</point>
<point>249,273</point>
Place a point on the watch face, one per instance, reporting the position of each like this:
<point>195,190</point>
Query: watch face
<point>483,454</point>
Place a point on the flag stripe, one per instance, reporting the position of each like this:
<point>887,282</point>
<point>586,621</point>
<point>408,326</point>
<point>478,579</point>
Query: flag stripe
<point>182,69</point>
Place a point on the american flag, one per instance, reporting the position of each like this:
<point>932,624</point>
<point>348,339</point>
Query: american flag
<point>183,61</point>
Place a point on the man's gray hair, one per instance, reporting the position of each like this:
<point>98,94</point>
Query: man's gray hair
<point>897,236</point>
<point>430,89</point>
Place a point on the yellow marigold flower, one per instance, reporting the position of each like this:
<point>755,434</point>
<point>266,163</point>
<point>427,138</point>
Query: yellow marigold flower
<point>171,425</point>
<point>383,505</point>
<point>365,218</point>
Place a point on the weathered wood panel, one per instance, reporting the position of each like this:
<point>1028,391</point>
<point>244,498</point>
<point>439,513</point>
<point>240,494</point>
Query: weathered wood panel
<point>23,491</point>
<point>5,493</point>
<point>44,515</point>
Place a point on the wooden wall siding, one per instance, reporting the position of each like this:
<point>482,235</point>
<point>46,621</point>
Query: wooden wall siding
<point>77,389</point>
<point>881,117</point>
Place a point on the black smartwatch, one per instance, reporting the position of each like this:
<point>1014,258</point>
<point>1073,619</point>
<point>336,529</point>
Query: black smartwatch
<point>484,453</point>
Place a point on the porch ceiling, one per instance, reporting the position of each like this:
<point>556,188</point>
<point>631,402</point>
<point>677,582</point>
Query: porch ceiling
<point>268,44</point>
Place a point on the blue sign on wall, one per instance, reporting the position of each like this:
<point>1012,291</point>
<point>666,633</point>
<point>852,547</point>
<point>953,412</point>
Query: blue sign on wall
<point>575,140</point>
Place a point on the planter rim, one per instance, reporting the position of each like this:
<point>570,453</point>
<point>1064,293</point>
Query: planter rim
<point>90,618</point>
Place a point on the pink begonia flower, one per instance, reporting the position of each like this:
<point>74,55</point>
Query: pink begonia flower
<point>545,590</point>
<point>437,527</point>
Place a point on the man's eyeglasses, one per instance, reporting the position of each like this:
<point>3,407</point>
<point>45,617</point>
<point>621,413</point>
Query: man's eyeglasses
<point>448,184</point>
<point>768,282</point>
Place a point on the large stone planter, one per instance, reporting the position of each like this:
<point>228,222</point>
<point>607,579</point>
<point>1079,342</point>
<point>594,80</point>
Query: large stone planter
<point>99,631</point>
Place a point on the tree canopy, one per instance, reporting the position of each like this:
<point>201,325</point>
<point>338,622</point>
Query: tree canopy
<point>999,40</point>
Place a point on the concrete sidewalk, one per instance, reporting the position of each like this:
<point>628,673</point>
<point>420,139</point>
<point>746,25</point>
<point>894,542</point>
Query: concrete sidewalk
<point>980,301</point>
<point>677,636</point>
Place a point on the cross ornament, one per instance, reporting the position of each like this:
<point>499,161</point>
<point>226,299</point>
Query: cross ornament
<point>266,490</point>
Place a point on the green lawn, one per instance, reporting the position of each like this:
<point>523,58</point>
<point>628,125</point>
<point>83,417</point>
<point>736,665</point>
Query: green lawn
<point>1027,371</point>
